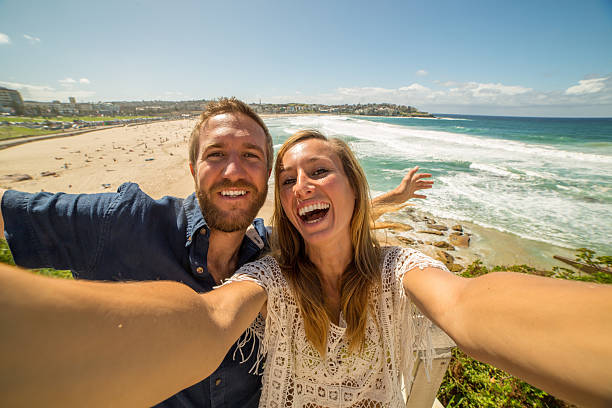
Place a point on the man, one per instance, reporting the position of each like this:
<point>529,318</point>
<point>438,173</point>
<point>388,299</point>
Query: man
<point>199,241</point>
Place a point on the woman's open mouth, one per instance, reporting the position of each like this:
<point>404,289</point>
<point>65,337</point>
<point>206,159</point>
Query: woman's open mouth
<point>313,212</point>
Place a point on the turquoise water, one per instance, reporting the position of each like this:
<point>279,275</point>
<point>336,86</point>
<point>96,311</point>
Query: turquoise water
<point>547,179</point>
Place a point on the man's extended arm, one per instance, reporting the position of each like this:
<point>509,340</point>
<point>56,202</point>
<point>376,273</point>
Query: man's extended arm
<point>79,343</point>
<point>395,199</point>
<point>554,334</point>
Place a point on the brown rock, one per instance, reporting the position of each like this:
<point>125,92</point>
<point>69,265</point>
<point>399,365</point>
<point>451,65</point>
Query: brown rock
<point>430,232</point>
<point>454,267</point>
<point>406,240</point>
<point>445,257</point>
<point>462,241</point>
<point>457,228</point>
<point>48,173</point>
<point>397,226</point>
<point>438,227</point>
<point>443,244</point>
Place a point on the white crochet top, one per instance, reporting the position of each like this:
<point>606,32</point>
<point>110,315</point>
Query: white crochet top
<point>295,374</point>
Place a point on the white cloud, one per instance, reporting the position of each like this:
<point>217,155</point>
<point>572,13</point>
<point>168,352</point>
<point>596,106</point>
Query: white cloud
<point>84,81</point>
<point>31,39</point>
<point>592,96</point>
<point>4,39</point>
<point>587,86</point>
<point>45,92</point>
<point>487,90</point>
<point>415,87</point>
<point>422,72</point>
<point>67,81</point>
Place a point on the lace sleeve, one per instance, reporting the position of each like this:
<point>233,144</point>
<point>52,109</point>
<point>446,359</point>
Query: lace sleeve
<point>415,328</point>
<point>261,272</point>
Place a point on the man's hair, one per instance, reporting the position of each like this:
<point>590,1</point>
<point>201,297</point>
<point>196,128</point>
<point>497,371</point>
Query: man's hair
<point>227,105</point>
<point>362,273</point>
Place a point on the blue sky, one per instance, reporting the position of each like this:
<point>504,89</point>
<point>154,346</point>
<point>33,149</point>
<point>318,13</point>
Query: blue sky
<point>537,58</point>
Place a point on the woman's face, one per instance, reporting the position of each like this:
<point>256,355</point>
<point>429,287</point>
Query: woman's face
<point>315,193</point>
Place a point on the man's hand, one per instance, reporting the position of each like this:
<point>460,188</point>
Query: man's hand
<point>411,183</point>
<point>396,198</point>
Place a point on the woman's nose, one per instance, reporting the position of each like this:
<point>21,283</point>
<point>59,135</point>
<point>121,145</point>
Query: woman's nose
<point>303,187</point>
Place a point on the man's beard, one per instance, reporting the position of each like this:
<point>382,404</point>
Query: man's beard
<point>228,220</point>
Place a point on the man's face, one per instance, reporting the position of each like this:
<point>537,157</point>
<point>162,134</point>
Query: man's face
<point>230,172</point>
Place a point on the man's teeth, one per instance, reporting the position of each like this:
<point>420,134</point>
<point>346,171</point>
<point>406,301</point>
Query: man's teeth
<point>233,193</point>
<point>312,207</point>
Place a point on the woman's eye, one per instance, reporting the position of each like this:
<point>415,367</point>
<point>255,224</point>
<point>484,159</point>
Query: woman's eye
<point>319,172</point>
<point>288,181</point>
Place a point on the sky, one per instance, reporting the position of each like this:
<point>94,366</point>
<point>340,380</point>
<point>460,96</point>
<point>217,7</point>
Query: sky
<point>515,58</point>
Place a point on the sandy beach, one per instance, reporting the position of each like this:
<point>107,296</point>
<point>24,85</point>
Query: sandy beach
<point>155,156</point>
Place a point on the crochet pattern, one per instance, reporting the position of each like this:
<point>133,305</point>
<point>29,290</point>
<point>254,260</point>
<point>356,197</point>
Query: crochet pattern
<point>295,374</point>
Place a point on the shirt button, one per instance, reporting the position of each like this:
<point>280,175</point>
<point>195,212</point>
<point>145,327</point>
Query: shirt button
<point>199,269</point>
<point>217,381</point>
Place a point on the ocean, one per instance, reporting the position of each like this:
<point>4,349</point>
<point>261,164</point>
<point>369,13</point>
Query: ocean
<point>544,179</point>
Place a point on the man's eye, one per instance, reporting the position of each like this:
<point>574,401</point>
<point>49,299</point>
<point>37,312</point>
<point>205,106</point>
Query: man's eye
<point>251,155</point>
<point>215,154</point>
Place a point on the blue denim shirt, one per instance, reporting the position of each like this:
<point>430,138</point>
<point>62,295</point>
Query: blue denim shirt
<point>129,236</point>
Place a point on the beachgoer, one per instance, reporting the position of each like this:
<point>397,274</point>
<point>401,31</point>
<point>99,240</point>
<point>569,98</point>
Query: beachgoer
<point>199,241</point>
<point>338,319</point>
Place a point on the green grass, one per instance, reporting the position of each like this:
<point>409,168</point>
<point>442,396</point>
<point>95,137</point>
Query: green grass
<point>11,132</point>
<point>67,118</point>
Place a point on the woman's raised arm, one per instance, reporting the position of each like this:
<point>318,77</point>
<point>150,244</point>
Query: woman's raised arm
<point>554,334</point>
<point>80,343</point>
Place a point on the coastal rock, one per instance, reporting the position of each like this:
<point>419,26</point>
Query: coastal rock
<point>397,226</point>
<point>457,228</point>
<point>430,232</point>
<point>462,241</point>
<point>406,240</point>
<point>454,268</point>
<point>438,227</point>
<point>445,257</point>
<point>443,244</point>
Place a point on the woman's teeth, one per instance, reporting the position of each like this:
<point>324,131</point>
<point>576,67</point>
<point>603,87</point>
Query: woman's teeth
<point>312,207</point>
<point>313,213</point>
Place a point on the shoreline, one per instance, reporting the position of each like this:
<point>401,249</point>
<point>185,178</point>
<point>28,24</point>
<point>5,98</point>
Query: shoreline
<point>154,155</point>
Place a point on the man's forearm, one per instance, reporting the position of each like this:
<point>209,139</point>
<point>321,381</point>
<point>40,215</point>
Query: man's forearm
<point>554,334</point>
<point>81,343</point>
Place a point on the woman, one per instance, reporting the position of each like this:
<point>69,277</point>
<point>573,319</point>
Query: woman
<point>340,329</point>
<point>340,325</point>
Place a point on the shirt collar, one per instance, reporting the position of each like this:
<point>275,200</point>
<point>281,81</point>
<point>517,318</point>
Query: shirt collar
<point>195,220</point>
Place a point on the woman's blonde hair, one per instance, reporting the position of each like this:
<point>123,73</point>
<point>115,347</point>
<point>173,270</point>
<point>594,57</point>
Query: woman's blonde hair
<point>361,274</point>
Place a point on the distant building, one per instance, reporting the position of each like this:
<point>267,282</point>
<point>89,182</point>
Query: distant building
<point>72,100</point>
<point>11,99</point>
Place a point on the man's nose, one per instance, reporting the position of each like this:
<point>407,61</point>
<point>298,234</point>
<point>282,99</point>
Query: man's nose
<point>234,168</point>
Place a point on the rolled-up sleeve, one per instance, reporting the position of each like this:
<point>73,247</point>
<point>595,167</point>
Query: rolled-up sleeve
<point>63,231</point>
